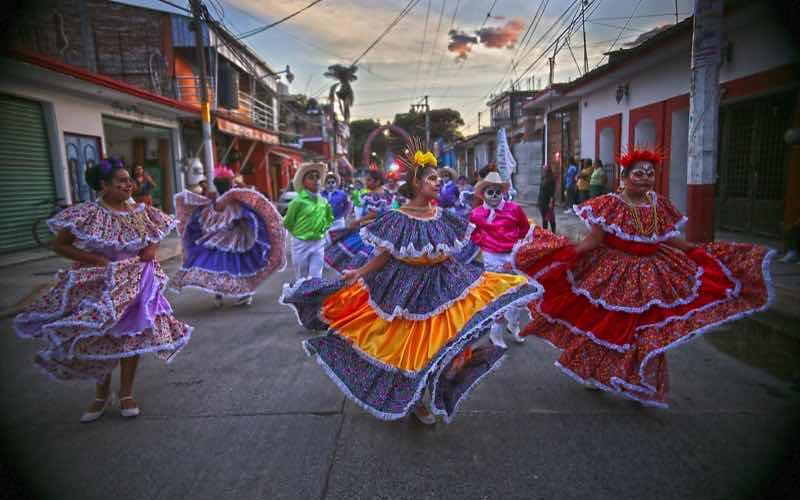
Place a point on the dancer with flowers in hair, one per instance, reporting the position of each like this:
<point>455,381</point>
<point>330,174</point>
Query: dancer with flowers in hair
<point>231,243</point>
<point>404,328</point>
<point>108,308</point>
<point>499,226</point>
<point>633,289</point>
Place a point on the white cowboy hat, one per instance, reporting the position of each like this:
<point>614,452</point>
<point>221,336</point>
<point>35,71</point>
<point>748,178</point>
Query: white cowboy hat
<point>492,178</point>
<point>305,168</point>
<point>332,173</point>
<point>453,173</point>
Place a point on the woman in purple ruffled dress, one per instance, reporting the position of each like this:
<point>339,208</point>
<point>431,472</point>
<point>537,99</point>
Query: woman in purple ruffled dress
<point>231,243</point>
<point>108,308</point>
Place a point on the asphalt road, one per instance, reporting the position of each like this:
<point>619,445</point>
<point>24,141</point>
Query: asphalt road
<point>243,414</point>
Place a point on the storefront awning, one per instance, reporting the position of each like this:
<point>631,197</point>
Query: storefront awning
<point>245,132</point>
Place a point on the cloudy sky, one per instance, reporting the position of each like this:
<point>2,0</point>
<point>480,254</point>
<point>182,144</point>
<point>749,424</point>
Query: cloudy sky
<point>458,60</point>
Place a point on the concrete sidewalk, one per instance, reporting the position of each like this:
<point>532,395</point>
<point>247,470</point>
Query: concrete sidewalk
<point>24,274</point>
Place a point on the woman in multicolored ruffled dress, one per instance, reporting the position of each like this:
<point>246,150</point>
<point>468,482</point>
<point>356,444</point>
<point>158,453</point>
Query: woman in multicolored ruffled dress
<point>231,244</point>
<point>633,289</point>
<point>408,322</point>
<point>345,249</point>
<point>108,308</point>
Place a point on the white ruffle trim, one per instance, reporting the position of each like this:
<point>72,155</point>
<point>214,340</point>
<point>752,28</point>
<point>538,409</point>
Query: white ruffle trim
<point>411,251</point>
<point>436,366</point>
<point>589,219</point>
<point>126,246</point>
<point>638,309</point>
<point>401,312</point>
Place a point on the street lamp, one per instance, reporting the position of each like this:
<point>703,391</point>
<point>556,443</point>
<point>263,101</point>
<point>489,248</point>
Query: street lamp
<point>288,72</point>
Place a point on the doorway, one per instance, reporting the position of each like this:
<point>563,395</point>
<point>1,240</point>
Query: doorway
<point>753,164</point>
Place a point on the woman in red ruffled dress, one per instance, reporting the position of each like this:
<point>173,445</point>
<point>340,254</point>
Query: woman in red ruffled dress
<point>633,288</point>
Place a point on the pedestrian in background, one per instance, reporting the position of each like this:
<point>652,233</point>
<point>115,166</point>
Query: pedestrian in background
<point>570,184</point>
<point>597,182</point>
<point>143,186</point>
<point>547,198</point>
<point>584,177</point>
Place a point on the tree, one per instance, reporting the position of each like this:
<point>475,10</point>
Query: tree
<point>344,75</point>
<point>444,124</point>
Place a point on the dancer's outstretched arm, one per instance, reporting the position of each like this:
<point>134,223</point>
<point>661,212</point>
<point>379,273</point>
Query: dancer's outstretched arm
<point>352,275</point>
<point>591,241</point>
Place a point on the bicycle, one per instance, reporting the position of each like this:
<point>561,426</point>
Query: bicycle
<point>41,233</point>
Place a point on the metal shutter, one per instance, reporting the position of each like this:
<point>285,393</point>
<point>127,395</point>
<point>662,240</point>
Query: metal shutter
<point>26,177</point>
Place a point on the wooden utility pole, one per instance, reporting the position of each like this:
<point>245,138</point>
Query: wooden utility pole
<point>205,104</point>
<point>583,26</point>
<point>703,119</point>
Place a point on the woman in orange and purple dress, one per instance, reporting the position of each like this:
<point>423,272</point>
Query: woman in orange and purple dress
<point>404,327</point>
<point>633,289</point>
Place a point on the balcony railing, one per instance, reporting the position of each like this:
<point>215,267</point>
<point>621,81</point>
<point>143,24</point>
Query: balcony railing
<point>251,109</point>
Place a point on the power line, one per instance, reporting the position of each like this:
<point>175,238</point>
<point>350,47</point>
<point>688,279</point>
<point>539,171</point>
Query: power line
<point>422,47</point>
<point>433,47</point>
<point>410,6</point>
<point>184,9</point>
<point>620,33</point>
<point>607,25</point>
<point>268,26</point>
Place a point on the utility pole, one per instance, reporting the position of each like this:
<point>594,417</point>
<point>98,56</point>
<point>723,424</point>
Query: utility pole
<point>205,104</point>
<point>703,119</point>
<point>427,125</point>
<point>583,26</point>
<point>676,12</point>
<point>479,122</point>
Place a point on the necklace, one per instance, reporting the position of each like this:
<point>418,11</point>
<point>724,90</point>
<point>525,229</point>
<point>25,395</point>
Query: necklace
<point>652,227</point>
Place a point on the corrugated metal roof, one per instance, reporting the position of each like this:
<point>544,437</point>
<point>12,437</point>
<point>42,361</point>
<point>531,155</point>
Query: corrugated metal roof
<point>182,32</point>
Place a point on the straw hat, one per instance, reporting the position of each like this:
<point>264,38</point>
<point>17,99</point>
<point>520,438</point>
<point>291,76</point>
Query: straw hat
<point>449,170</point>
<point>492,178</point>
<point>305,168</point>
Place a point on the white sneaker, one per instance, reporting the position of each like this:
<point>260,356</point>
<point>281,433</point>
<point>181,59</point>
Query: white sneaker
<point>567,211</point>
<point>496,335</point>
<point>790,256</point>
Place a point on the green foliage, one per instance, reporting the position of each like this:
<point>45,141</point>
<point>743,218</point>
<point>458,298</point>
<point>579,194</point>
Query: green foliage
<point>444,124</point>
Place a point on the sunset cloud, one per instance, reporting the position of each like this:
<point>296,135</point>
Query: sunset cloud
<point>491,37</point>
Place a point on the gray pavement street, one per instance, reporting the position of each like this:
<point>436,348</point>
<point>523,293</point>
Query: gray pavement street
<point>243,414</point>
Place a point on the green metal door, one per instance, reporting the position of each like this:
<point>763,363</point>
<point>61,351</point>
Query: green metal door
<point>27,191</point>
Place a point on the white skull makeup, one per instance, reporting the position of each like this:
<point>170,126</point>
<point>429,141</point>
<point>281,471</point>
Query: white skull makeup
<point>493,195</point>
<point>331,183</point>
<point>642,170</point>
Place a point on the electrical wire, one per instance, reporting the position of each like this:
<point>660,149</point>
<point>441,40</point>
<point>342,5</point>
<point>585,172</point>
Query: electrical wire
<point>256,31</point>
<point>422,47</point>
<point>633,13</point>
<point>433,48</point>
<point>408,8</point>
<point>184,9</point>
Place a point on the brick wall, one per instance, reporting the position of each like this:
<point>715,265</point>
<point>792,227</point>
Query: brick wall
<point>124,42</point>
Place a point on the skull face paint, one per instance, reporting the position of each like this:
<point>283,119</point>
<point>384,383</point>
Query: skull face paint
<point>493,195</point>
<point>331,183</point>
